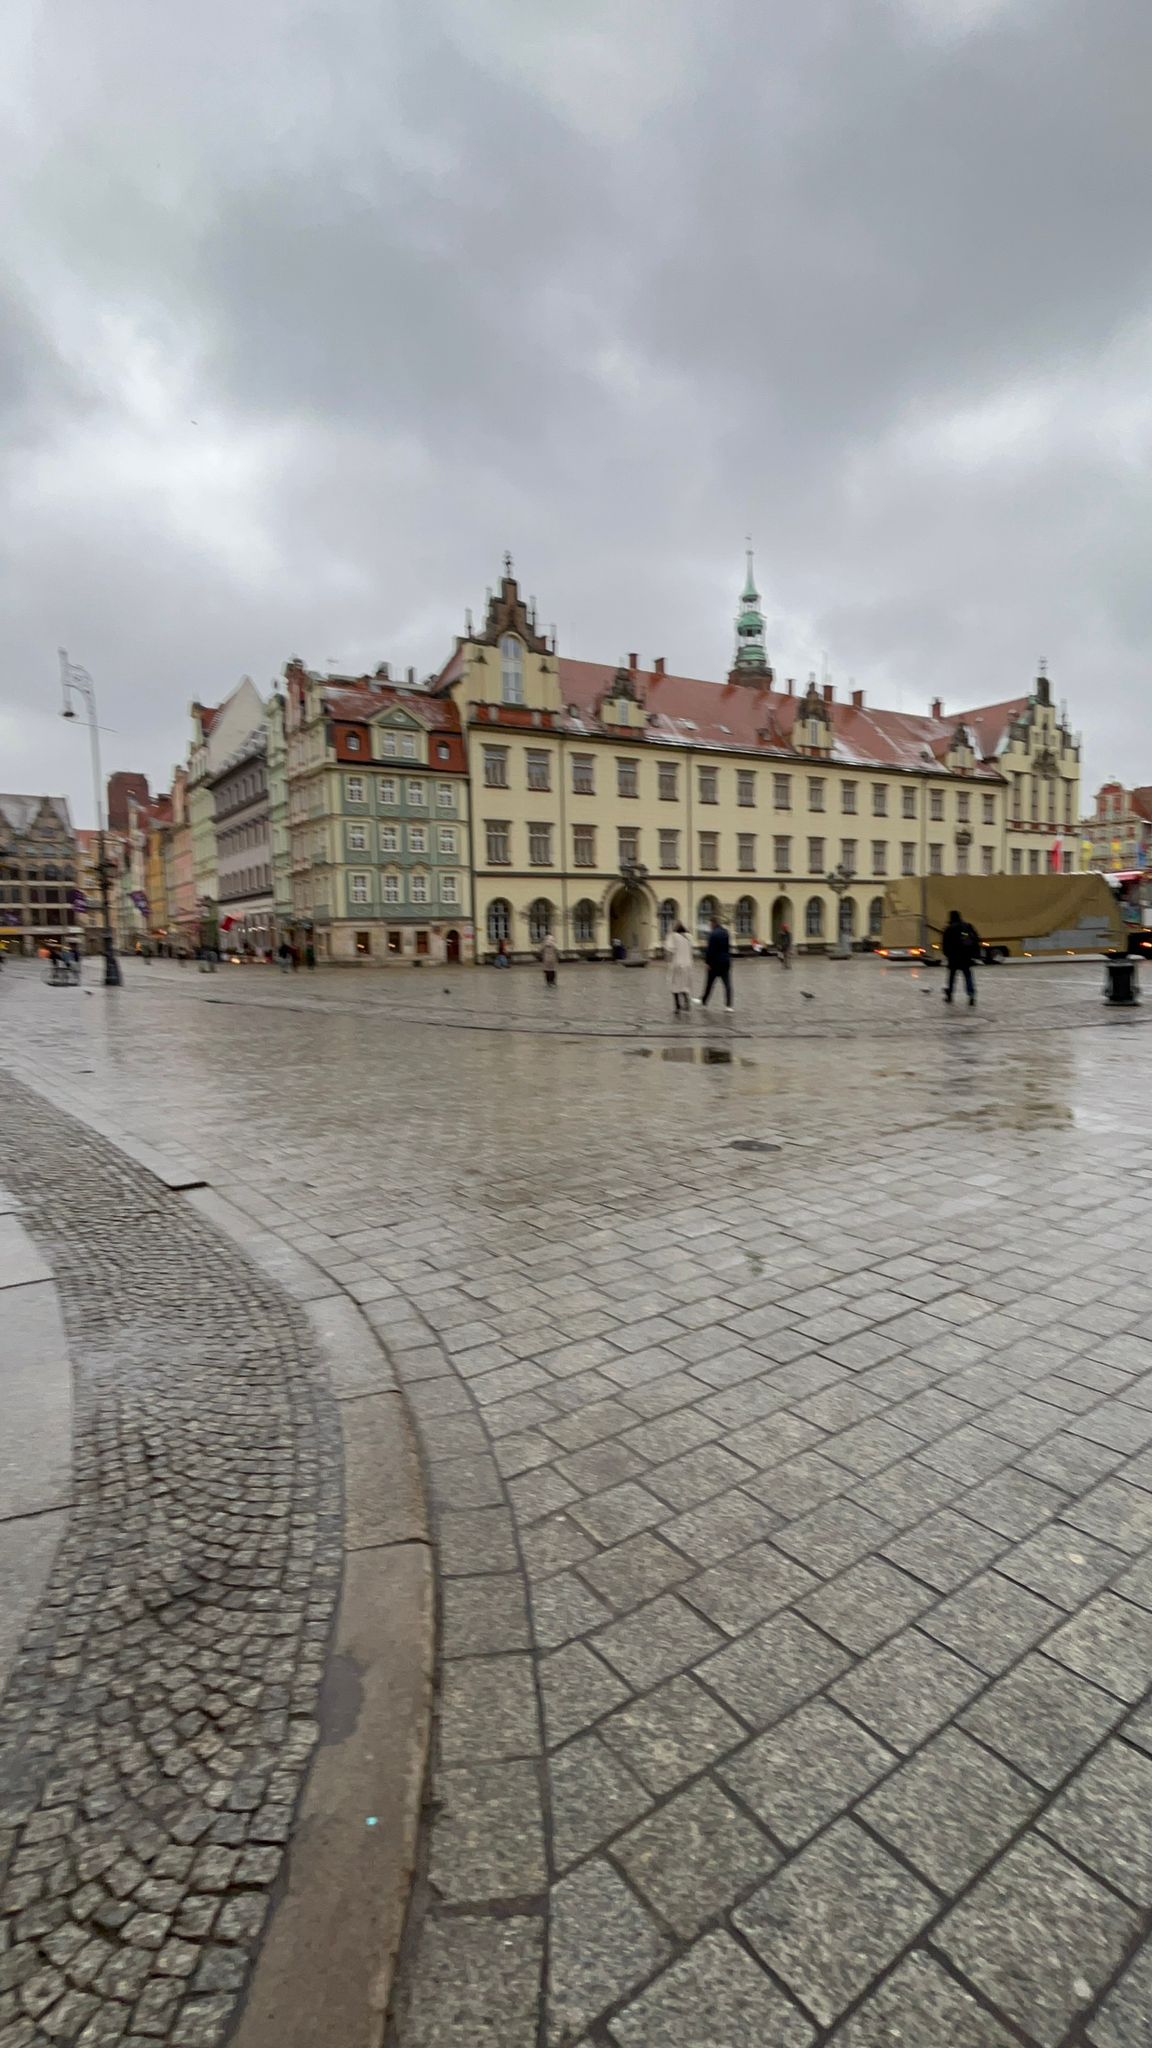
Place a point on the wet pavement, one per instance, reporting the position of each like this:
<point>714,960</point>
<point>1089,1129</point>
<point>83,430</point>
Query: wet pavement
<point>794,1503</point>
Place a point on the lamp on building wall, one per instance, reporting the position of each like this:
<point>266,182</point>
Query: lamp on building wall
<point>76,682</point>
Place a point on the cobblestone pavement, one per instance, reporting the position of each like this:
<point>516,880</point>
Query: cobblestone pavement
<point>794,1504</point>
<point>160,1716</point>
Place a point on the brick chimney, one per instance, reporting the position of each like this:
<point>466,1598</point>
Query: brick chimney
<point>857,700</point>
<point>658,665</point>
<point>937,707</point>
<point>829,694</point>
<point>633,660</point>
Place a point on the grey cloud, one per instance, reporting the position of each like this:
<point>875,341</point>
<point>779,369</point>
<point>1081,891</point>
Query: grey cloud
<point>317,309</point>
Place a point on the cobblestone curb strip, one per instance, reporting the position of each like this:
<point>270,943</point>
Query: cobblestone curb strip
<point>164,1708</point>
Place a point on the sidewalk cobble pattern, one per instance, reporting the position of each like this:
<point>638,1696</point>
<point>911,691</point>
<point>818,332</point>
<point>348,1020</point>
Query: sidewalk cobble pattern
<point>793,1506</point>
<point>161,1715</point>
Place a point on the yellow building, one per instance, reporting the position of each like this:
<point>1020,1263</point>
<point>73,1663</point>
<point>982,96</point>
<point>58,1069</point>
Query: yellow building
<point>610,802</point>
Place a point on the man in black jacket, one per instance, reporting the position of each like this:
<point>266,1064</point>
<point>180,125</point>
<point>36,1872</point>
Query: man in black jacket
<point>961,946</point>
<point>718,960</point>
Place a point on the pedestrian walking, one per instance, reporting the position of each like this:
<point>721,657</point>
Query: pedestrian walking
<point>285,957</point>
<point>502,959</point>
<point>784,946</point>
<point>549,960</point>
<point>309,955</point>
<point>679,950</point>
<point>718,960</point>
<point>961,947</point>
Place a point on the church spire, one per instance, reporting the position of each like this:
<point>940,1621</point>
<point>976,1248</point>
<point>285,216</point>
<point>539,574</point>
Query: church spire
<point>751,656</point>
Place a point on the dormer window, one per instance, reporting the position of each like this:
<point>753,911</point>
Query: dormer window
<point>353,742</point>
<point>511,670</point>
<point>813,732</point>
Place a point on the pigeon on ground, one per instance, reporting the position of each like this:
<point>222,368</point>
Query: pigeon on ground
<point>808,997</point>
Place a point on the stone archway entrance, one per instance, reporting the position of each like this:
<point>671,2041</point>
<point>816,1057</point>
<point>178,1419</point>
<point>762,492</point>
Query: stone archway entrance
<point>452,946</point>
<point>630,919</point>
<point>781,915</point>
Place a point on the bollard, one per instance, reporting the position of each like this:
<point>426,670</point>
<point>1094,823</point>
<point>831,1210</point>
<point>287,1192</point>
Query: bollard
<point>1120,983</point>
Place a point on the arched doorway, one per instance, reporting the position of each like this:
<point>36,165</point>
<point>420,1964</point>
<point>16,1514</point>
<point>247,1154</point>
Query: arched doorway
<point>814,919</point>
<point>706,910</point>
<point>847,917</point>
<point>745,919</point>
<point>630,919</point>
<point>452,946</point>
<point>781,916</point>
<point>669,916</point>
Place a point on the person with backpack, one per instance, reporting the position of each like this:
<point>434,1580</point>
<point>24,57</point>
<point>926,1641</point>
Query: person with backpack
<point>961,948</point>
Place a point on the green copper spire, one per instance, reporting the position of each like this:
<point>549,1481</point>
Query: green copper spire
<point>751,656</point>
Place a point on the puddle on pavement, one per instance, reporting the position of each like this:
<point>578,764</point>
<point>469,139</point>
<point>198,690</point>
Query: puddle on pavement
<point>685,1055</point>
<point>753,1145</point>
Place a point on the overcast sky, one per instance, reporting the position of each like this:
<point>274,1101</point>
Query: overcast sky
<point>316,308</point>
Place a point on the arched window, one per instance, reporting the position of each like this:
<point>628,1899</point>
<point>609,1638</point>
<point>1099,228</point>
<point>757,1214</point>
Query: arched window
<point>875,917</point>
<point>847,918</point>
<point>540,920</point>
<point>814,919</point>
<point>669,916</point>
<point>584,923</point>
<point>746,918</point>
<point>707,909</point>
<point>499,920</point>
<point>51,874</point>
<point>511,669</point>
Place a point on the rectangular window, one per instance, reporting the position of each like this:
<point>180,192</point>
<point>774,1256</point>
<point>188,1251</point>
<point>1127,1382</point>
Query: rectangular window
<point>848,856</point>
<point>782,854</point>
<point>386,789</point>
<point>908,857</point>
<point>497,833</point>
<point>540,845</point>
<point>669,779</point>
<point>1034,862</point>
<point>417,838</point>
<point>709,852</point>
<point>986,857</point>
<point>708,786</point>
<point>908,803</point>
<point>746,852</point>
<point>419,886</point>
<point>408,747</point>
<point>583,775</point>
<point>879,799</point>
<point>388,745</point>
<point>627,844</point>
<point>746,786</point>
<point>879,857</point>
<point>1016,860</point>
<point>354,788</point>
<point>961,860</point>
<point>627,778</point>
<point>669,849</point>
<point>496,767</point>
<point>449,889</point>
<point>1067,803</point>
<point>357,839</point>
<point>782,792</point>
<point>584,845</point>
<point>815,792</point>
<point>416,793</point>
<point>446,839</point>
<point>1067,863</point>
<point>358,888</point>
<point>936,805</point>
<point>445,797</point>
<point>963,806</point>
<point>391,888</point>
<point>988,809</point>
<point>936,860</point>
<point>848,798</point>
<point>539,768</point>
<point>364,943</point>
<point>1017,798</point>
<point>815,856</point>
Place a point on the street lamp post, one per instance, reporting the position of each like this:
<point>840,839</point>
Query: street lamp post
<point>838,881</point>
<point>76,682</point>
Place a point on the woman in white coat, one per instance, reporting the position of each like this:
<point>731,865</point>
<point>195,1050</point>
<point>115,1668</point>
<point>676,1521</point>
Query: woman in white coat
<point>678,947</point>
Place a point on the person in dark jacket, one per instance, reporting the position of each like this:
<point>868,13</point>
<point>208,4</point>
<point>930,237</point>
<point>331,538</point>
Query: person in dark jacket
<point>718,960</point>
<point>961,946</point>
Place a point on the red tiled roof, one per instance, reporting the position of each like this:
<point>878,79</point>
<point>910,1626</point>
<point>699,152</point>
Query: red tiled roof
<point>363,698</point>
<point>1142,802</point>
<point>686,711</point>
